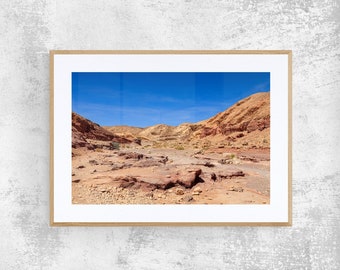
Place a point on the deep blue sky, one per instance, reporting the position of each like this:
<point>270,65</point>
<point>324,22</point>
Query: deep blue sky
<point>147,98</point>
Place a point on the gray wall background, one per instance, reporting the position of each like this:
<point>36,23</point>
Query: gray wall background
<point>29,29</point>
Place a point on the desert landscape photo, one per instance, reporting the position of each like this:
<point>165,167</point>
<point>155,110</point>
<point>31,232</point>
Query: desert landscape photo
<point>171,138</point>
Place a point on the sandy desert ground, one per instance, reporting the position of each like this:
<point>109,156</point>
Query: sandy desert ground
<point>221,160</point>
<point>170,176</point>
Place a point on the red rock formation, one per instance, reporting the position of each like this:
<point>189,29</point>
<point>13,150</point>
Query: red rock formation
<point>78,140</point>
<point>250,114</point>
<point>84,129</point>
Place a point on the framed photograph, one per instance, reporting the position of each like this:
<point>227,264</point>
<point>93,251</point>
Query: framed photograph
<point>170,138</point>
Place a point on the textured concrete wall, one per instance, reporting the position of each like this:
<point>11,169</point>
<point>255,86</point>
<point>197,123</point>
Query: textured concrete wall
<point>28,29</point>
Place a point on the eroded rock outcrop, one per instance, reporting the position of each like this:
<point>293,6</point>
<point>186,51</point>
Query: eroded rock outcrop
<point>242,122</point>
<point>84,129</point>
<point>247,115</point>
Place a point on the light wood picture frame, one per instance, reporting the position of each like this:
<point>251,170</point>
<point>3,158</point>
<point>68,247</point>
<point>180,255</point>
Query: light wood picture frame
<point>171,138</point>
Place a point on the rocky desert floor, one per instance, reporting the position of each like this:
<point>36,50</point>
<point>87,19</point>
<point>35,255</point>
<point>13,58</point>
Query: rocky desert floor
<point>147,175</point>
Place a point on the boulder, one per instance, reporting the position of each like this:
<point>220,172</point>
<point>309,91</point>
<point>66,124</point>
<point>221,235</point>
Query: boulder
<point>230,174</point>
<point>188,178</point>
